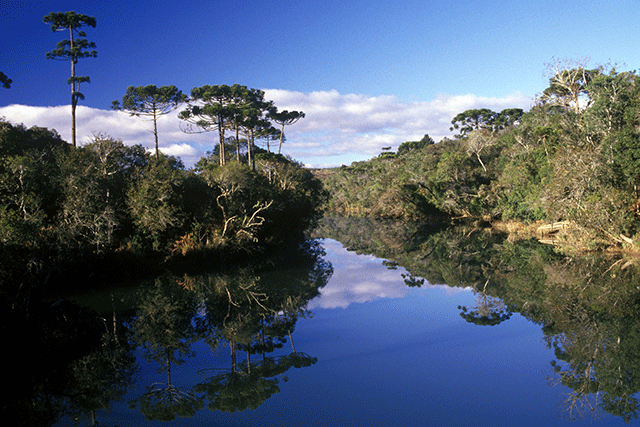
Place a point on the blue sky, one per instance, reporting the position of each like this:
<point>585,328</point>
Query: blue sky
<point>367,74</point>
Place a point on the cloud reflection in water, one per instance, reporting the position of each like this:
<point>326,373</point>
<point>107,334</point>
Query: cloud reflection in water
<point>361,279</point>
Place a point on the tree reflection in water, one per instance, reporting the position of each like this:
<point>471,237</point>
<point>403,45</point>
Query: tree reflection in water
<point>255,315</point>
<point>90,363</point>
<point>588,306</point>
<point>489,311</point>
<point>164,330</point>
<point>253,312</point>
<point>72,364</point>
<point>240,389</point>
<point>594,329</point>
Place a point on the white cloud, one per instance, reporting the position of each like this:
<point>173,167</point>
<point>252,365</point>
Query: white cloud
<point>180,150</point>
<point>360,125</point>
<point>337,128</point>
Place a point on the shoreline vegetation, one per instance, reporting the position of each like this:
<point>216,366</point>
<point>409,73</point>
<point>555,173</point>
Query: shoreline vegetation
<point>573,160</point>
<point>106,212</point>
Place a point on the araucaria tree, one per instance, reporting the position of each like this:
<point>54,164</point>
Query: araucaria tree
<point>150,101</point>
<point>208,110</point>
<point>285,118</point>
<point>72,50</point>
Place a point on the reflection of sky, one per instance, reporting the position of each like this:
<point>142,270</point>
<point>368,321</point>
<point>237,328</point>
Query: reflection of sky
<point>359,279</point>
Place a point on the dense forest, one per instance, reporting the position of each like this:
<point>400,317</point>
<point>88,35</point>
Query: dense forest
<point>574,157</point>
<point>197,242</point>
<point>63,207</point>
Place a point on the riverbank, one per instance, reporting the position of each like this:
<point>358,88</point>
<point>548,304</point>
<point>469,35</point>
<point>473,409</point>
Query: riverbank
<point>568,237</point>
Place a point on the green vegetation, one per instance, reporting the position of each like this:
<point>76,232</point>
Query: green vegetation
<point>110,209</point>
<point>573,157</point>
<point>150,101</point>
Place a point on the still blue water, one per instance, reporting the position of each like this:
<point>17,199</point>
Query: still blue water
<point>392,355</point>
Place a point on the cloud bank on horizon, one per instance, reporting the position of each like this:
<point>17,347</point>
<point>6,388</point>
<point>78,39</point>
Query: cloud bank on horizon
<point>338,128</point>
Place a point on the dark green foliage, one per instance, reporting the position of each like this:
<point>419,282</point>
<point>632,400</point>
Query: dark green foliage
<point>64,209</point>
<point>485,315</point>
<point>156,204</point>
<point>29,190</point>
<point>296,193</point>
<point>283,118</point>
<point>71,49</point>
<point>433,180</point>
<point>6,81</point>
<point>96,179</point>
<point>216,108</point>
<point>407,147</point>
<point>507,118</point>
<point>470,120</point>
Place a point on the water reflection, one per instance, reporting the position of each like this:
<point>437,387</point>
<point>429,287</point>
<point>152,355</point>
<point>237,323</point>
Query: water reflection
<point>400,323</point>
<point>253,314</point>
<point>68,361</point>
<point>360,278</point>
<point>357,279</point>
<point>92,365</point>
<point>248,387</point>
<point>164,330</point>
<point>588,306</point>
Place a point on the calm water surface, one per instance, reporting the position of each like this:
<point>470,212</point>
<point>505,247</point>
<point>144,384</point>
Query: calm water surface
<point>389,355</point>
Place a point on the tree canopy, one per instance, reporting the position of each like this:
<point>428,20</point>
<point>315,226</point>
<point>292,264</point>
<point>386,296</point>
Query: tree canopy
<point>284,118</point>
<point>151,101</point>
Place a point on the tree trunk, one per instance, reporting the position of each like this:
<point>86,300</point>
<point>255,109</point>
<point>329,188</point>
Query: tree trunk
<point>221,136</point>
<point>234,366</point>
<point>481,163</point>
<point>155,131</point>
<point>281,136</point>
<point>168,370</point>
<point>291,340</point>
<point>237,143</point>
<point>73,90</point>
<point>250,155</point>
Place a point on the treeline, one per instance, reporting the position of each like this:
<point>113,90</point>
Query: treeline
<point>575,156</point>
<point>60,204</point>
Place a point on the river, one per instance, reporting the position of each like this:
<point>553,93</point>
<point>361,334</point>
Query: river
<point>386,324</point>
